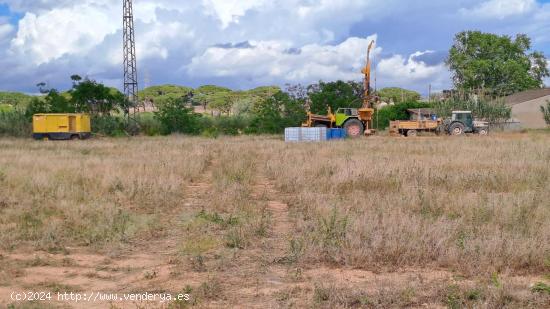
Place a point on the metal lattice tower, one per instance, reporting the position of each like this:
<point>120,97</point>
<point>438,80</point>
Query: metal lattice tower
<point>130,61</point>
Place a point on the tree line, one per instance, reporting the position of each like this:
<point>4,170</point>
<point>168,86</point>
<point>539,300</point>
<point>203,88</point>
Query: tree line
<point>484,68</point>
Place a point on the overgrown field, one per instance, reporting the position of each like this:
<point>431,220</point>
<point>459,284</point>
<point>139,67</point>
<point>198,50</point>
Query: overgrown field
<point>254,222</point>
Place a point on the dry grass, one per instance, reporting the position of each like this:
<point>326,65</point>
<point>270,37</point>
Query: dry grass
<point>476,208</point>
<point>470,204</point>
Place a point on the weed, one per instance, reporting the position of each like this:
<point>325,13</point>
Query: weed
<point>474,295</point>
<point>330,233</point>
<point>197,262</point>
<point>541,287</point>
<point>150,274</point>
<point>453,297</point>
<point>236,238</point>
<point>199,245</point>
<point>210,290</point>
<point>495,279</point>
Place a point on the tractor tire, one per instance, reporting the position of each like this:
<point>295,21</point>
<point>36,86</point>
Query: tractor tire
<point>412,133</point>
<point>354,128</point>
<point>456,129</point>
<point>483,132</point>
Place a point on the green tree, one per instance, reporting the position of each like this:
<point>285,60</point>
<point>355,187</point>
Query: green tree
<point>335,95</point>
<point>93,97</point>
<point>497,64</point>
<point>277,112</point>
<point>158,95</point>
<point>36,106</point>
<point>176,117</point>
<point>223,102</point>
<point>57,103</point>
<point>546,112</point>
<point>398,95</point>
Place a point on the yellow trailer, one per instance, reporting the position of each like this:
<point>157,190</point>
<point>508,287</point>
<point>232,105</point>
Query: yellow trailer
<point>61,126</point>
<point>421,120</point>
<point>412,127</point>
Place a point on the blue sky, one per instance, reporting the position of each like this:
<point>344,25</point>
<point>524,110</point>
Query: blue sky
<point>248,43</point>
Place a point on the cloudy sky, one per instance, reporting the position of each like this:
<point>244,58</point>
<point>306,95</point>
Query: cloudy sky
<point>247,43</point>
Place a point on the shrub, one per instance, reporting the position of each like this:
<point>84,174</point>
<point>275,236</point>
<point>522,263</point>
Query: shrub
<point>148,124</point>
<point>6,108</point>
<point>36,106</point>
<point>272,115</point>
<point>109,125</point>
<point>176,117</point>
<point>225,125</point>
<point>14,123</point>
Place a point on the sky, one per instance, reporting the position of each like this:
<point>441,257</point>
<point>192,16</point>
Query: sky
<point>243,44</point>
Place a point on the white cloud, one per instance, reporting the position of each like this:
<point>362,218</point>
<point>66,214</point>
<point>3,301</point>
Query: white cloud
<point>68,30</point>
<point>501,8</point>
<point>272,61</point>
<point>176,40</point>
<point>394,70</point>
<point>5,31</point>
<point>228,11</point>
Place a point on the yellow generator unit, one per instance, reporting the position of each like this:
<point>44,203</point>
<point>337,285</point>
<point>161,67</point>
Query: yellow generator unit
<point>61,126</point>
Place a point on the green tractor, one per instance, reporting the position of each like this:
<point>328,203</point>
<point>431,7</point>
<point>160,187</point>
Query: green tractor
<point>463,122</point>
<point>356,121</point>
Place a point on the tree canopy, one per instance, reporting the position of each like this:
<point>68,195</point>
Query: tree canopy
<point>398,95</point>
<point>497,64</point>
<point>335,95</point>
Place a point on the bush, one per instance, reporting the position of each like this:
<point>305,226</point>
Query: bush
<point>6,108</point>
<point>149,125</point>
<point>175,117</point>
<point>36,106</point>
<point>109,125</point>
<point>274,114</point>
<point>225,125</point>
<point>14,123</point>
<point>398,111</point>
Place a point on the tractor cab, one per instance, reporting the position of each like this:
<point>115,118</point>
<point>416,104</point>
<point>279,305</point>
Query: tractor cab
<point>343,114</point>
<point>463,122</point>
<point>464,117</point>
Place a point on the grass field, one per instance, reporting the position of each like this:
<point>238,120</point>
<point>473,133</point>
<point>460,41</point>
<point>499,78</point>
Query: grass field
<point>254,222</point>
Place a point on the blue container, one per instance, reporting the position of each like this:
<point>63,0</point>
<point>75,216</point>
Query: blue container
<point>336,134</point>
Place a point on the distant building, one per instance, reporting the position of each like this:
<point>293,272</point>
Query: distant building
<point>526,107</point>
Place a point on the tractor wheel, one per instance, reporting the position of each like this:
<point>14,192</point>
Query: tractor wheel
<point>456,129</point>
<point>412,133</point>
<point>483,132</point>
<point>354,128</point>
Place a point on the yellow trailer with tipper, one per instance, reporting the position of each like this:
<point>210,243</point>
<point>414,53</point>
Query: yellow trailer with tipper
<point>61,126</point>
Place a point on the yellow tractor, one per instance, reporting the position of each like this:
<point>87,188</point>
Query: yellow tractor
<point>356,121</point>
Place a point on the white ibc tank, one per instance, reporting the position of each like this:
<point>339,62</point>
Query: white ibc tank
<point>305,134</point>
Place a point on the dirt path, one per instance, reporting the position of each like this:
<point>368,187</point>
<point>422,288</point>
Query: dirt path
<point>149,264</point>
